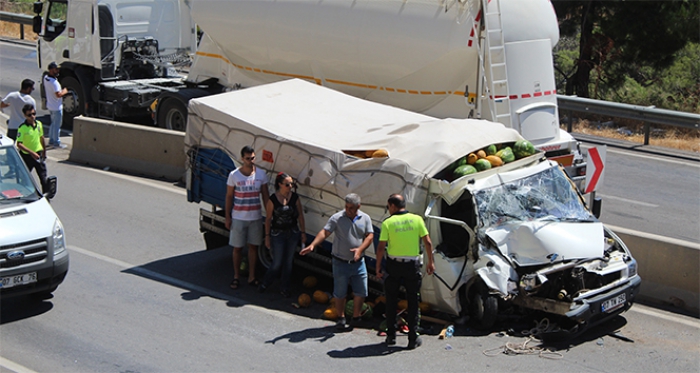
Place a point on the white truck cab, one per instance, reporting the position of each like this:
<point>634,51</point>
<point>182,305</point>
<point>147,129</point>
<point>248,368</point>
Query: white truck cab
<point>33,255</point>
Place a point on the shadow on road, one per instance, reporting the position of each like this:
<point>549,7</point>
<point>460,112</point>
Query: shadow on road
<point>23,307</point>
<point>377,349</point>
<point>208,273</point>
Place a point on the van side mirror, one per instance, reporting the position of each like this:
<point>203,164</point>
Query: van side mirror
<point>36,24</point>
<point>51,186</point>
<point>597,206</point>
<point>38,7</point>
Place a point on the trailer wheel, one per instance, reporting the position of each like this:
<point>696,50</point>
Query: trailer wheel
<point>73,102</point>
<point>483,308</point>
<point>172,115</point>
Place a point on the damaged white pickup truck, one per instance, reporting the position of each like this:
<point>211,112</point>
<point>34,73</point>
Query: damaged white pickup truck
<point>530,244</point>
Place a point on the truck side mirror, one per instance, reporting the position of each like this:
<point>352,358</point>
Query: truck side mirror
<point>38,7</point>
<point>36,24</point>
<point>597,205</point>
<point>51,186</point>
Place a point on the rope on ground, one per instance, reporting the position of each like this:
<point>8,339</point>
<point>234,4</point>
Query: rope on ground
<point>523,349</point>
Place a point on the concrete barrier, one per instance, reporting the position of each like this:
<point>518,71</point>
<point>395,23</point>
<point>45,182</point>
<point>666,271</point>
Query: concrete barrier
<point>670,268</point>
<point>143,150</point>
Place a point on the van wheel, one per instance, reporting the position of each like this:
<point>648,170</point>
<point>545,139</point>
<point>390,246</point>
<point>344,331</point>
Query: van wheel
<point>73,102</point>
<point>172,115</point>
<point>483,308</point>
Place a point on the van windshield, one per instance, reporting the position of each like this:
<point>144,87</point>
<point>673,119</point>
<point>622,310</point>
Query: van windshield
<point>15,182</point>
<point>545,196</point>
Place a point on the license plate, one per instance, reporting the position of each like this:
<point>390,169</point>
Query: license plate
<point>614,303</point>
<point>10,281</point>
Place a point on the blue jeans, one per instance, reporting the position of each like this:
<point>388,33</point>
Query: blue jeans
<point>283,244</point>
<point>354,274</point>
<point>55,129</point>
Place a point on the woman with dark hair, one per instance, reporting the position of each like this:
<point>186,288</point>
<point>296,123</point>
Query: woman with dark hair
<point>284,226</point>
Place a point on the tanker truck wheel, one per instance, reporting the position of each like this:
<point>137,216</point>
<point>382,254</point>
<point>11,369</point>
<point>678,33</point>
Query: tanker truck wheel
<point>172,115</point>
<point>73,102</point>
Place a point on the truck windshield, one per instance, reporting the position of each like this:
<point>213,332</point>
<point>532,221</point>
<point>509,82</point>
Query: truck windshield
<point>545,196</point>
<point>15,182</point>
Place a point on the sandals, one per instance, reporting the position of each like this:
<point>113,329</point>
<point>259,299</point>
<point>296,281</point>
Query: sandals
<point>255,282</point>
<point>235,283</point>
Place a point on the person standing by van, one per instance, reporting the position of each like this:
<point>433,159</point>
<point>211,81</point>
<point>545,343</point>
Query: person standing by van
<point>353,235</point>
<point>16,101</point>
<point>54,102</point>
<point>403,231</point>
<point>284,227</point>
<point>244,213</point>
<point>32,145</point>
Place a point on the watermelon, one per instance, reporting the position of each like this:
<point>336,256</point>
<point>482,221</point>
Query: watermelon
<point>523,148</point>
<point>463,170</point>
<point>506,154</point>
<point>482,164</point>
<point>460,162</point>
<point>491,150</point>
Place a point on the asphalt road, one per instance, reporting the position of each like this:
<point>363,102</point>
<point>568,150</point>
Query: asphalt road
<point>142,295</point>
<point>644,188</point>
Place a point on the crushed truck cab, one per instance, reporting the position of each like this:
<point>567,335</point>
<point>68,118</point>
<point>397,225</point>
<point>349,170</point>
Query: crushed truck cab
<point>510,235</point>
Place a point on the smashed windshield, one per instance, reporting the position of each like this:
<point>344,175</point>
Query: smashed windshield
<point>15,181</point>
<point>547,195</point>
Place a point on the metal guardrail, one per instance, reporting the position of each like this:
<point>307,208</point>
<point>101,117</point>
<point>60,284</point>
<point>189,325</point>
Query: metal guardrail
<point>22,19</point>
<point>646,114</point>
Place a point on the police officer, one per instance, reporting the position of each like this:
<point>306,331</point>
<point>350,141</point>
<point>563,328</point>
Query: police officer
<point>403,231</point>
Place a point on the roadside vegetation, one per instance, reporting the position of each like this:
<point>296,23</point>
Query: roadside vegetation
<point>609,51</point>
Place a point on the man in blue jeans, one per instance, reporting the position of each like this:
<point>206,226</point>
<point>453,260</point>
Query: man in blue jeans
<point>353,235</point>
<point>54,102</point>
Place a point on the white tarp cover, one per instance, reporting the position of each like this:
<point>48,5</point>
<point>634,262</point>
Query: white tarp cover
<point>302,129</point>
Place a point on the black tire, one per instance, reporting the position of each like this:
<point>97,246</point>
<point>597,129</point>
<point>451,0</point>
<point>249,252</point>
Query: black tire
<point>264,256</point>
<point>483,308</point>
<point>73,102</point>
<point>172,115</point>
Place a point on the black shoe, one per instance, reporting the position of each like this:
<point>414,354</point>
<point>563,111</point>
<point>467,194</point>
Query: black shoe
<point>261,288</point>
<point>412,345</point>
<point>390,340</point>
<point>286,293</point>
<point>355,321</point>
<point>340,324</point>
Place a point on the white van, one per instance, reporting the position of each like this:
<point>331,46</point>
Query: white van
<point>33,255</point>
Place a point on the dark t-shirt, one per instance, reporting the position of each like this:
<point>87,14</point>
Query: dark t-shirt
<point>284,217</point>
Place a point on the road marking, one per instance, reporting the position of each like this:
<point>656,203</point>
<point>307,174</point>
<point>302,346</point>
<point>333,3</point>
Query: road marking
<point>179,283</point>
<point>138,180</point>
<point>662,315</point>
<point>11,365</point>
<point>628,200</point>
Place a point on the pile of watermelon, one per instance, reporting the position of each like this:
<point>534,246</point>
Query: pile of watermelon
<point>491,156</point>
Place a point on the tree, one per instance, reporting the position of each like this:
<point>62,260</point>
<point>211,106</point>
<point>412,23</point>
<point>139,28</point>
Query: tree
<point>617,38</point>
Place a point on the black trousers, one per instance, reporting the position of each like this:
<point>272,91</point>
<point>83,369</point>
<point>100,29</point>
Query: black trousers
<point>40,168</point>
<point>409,274</point>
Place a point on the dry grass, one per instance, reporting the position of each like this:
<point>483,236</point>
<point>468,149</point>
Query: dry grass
<point>661,135</point>
<point>664,136</point>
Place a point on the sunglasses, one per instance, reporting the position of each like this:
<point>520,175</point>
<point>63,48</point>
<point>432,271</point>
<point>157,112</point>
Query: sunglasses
<point>249,158</point>
<point>288,184</point>
<point>30,114</point>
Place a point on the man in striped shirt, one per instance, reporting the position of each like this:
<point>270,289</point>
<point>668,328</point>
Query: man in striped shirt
<point>244,213</point>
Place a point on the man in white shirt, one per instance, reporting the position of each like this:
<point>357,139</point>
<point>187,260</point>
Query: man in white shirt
<point>54,102</point>
<point>16,101</point>
<point>244,213</point>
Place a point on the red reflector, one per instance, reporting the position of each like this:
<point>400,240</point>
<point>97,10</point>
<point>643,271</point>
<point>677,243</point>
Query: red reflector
<point>581,171</point>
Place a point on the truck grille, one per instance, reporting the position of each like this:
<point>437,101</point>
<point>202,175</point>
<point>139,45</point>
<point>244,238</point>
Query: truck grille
<point>34,251</point>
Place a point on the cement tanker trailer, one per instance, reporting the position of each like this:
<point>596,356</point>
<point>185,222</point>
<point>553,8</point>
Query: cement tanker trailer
<point>470,59</point>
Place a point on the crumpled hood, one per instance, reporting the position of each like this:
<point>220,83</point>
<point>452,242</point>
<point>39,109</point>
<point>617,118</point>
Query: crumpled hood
<point>542,242</point>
